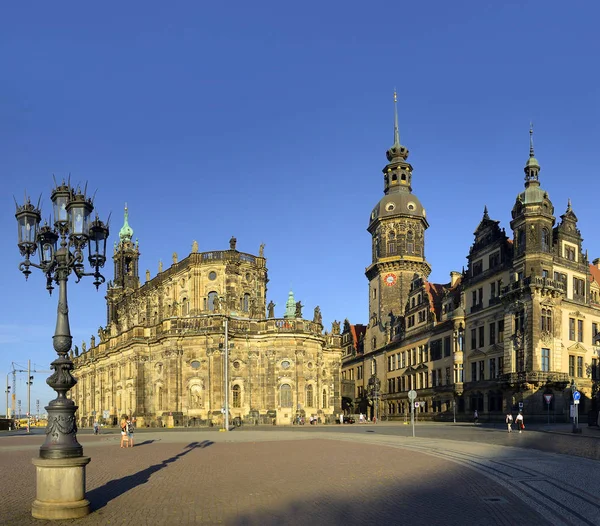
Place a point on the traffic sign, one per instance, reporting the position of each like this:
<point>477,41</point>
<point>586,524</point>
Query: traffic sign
<point>412,394</point>
<point>548,398</point>
<point>576,396</point>
<point>520,405</point>
<point>576,402</point>
<point>106,414</point>
<point>416,404</point>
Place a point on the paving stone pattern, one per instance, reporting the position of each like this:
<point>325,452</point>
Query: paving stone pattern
<point>218,478</point>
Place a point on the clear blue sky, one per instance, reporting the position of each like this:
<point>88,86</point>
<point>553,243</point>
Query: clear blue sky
<point>270,121</point>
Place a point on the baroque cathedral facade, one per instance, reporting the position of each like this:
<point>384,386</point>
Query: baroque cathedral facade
<point>171,346</point>
<point>518,329</point>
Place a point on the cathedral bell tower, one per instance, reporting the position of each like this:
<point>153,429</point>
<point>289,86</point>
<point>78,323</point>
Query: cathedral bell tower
<point>126,275</point>
<point>397,226</point>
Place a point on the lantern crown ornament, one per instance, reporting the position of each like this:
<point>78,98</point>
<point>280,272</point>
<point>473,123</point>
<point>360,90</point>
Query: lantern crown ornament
<point>61,244</point>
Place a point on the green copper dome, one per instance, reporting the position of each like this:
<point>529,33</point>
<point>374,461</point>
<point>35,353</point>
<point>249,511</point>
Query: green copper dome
<point>126,232</point>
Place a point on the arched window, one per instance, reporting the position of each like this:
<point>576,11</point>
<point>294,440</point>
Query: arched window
<point>520,240</point>
<point>159,393</point>
<point>325,398</point>
<point>285,396</point>
<point>394,177</point>
<point>237,396</point>
<point>410,245</point>
<point>545,240</point>
<point>546,321</point>
<point>376,246</point>
<point>211,300</point>
<point>309,396</point>
<point>185,307</point>
<point>246,303</point>
<point>391,243</point>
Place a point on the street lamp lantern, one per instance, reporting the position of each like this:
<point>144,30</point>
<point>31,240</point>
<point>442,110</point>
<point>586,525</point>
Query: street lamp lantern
<point>28,219</point>
<point>61,253</point>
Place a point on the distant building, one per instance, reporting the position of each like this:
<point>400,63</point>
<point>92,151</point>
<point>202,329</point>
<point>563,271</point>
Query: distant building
<point>518,328</point>
<point>160,356</point>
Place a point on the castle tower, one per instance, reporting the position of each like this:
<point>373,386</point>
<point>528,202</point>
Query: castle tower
<point>532,223</point>
<point>126,272</point>
<point>397,226</point>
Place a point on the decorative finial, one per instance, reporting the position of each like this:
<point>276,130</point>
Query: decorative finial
<point>396,132</point>
<point>485,212</point>
<point>531,154</point>
<point>569,209</point>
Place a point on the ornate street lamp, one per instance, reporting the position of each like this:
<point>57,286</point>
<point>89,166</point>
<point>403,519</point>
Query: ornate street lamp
<point>61,249</point>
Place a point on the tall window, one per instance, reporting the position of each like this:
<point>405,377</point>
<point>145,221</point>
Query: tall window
<point>595,334</point>
<point>482,336</point>
<point>325,404</point>
<point>492,368</point>
<point>580,366</point>
<point>580,330</point>
<point>520,360</point>
<point>309,396</point>
<point>545,360</point>
<point>473,338</point>
<point>569,253</point>
<point>520,240</point>
<point>545,240</point>
<point>285,395</point>
<point>578,288</point>
<point>410,244</point>
<point>211,300</point>
<point>246,302</point>
<point>572,329</point>
<point>571,365</point>
<point>492,333</point>
<point>500,365</point>
<point>391,243</point>
<point>447,346</point>
<point>237,396</point>
<point>500,331</point>
<point>546,320</point>
<point>474,372</point>
<point>482,370</point>
<point>520,321</point>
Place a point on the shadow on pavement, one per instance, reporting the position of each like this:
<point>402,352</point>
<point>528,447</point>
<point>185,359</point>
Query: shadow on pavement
<point>101,496</point>
<point>145,442</point>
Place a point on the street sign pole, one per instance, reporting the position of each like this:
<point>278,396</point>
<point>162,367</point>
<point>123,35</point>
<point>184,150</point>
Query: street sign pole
<point>412,395</point>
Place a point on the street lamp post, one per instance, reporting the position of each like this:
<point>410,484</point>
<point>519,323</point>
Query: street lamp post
<point>61,465</point>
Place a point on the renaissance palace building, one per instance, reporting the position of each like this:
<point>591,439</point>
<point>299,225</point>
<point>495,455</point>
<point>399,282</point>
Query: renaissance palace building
<point>518,329</point>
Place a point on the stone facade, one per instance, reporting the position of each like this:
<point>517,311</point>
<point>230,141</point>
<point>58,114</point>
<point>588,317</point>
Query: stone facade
<point>519,323</point>
<point>162,355</point>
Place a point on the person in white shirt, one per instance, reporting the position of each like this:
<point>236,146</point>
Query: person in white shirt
<point>509,421</point>
<point>519,422</point>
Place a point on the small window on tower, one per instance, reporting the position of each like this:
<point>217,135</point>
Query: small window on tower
<point>394,178</point>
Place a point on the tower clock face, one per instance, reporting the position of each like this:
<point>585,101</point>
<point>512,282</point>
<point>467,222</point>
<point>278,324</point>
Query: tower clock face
<point>390,279</point>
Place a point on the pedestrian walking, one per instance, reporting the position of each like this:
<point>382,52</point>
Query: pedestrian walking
<point>519,422</point>
<point>509,422</point>
<point>475,416</point>
<point>130,428</point>
<point>124,437</point>
<point>96,427</point>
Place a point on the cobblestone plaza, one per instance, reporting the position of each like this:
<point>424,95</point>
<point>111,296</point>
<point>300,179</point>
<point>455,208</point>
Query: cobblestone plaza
<point>361,474</point>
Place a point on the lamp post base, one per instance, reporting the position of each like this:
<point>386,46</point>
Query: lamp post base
<point>60,488</point>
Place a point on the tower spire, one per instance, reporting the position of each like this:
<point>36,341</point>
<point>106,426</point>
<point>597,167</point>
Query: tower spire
<point>532,167</point>
<point>126,232</point>
<point>396,131</point>
<point>531,153</point>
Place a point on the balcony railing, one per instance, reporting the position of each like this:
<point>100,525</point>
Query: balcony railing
<point>536,377</point>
